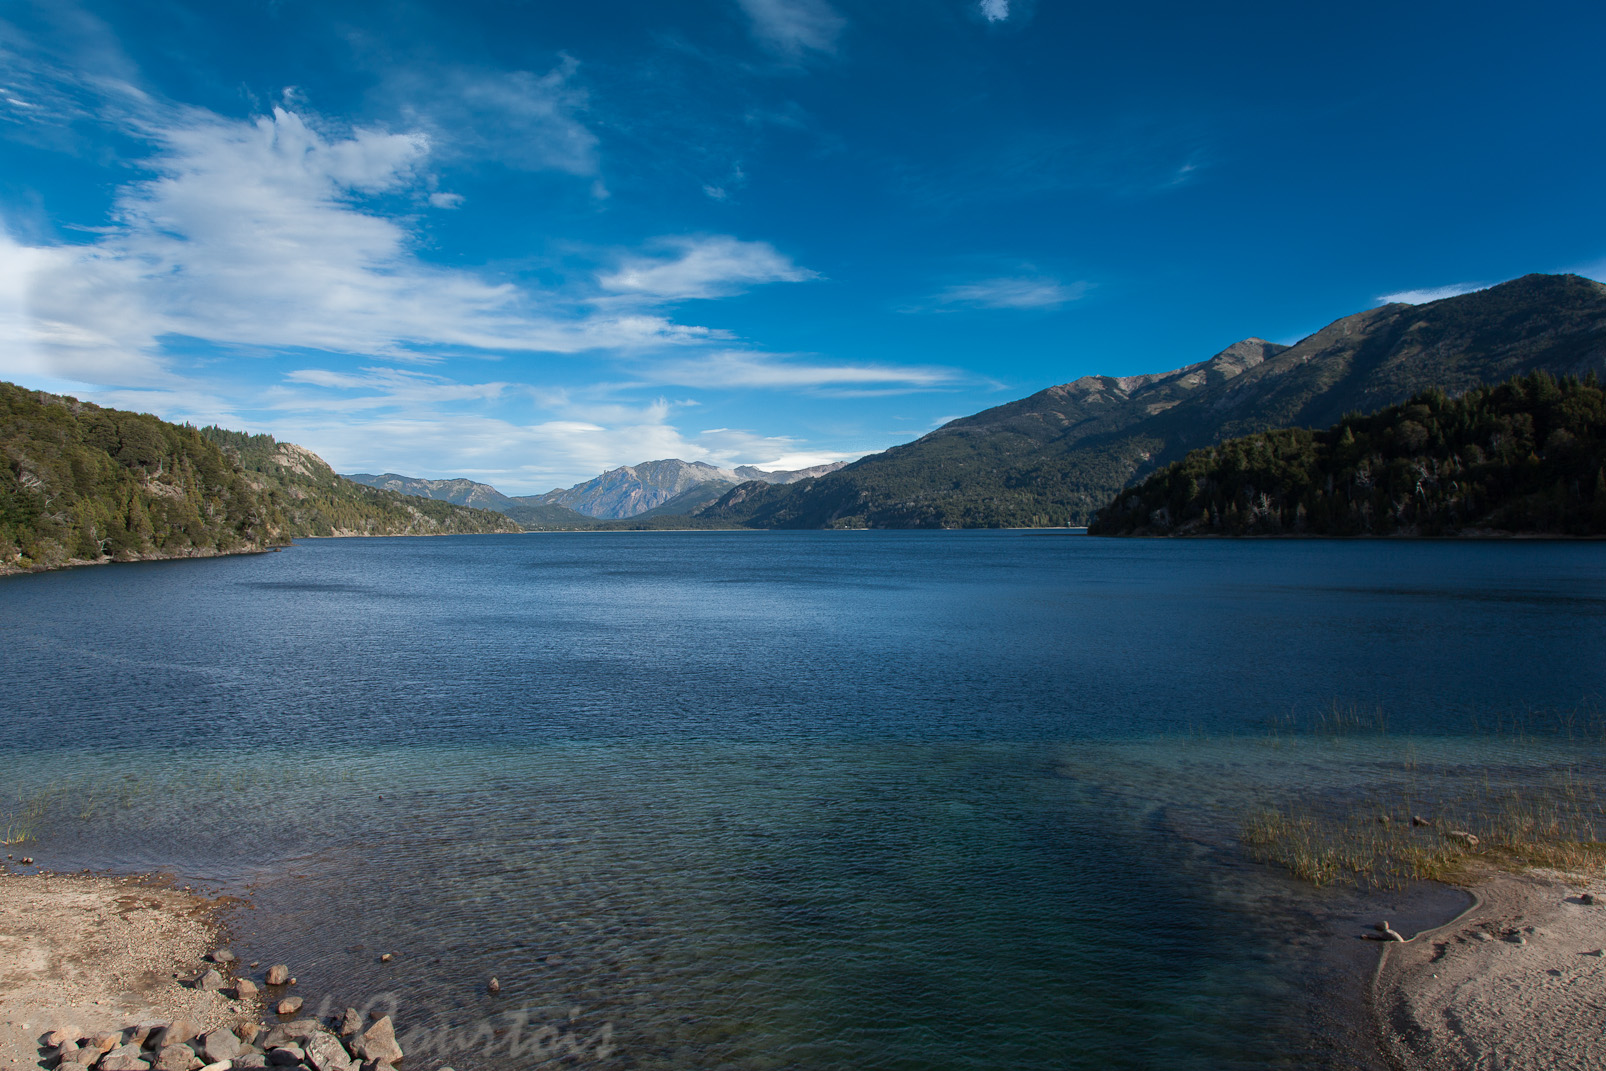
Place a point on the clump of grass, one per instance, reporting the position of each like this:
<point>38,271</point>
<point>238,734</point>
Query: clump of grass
<point>1376,844</point>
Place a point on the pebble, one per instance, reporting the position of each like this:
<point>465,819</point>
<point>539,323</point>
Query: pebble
<point>278,974</point>
<point>493,986</point>
<point>386,958</point>
<point>1588,898</point>
<point>1598,953</point>
<point>1418,820</point>
<point>289,1006</point>
<point>1481,936</point>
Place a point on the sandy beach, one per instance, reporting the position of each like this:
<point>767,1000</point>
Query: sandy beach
<point>93,954</point>
<point>1518,981</point>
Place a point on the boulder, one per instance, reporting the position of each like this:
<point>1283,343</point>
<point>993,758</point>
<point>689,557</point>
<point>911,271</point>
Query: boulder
<point>245,989</point>
<point>222,955</point>
<point>350,1023</point>
<point>250,1059</point>
<point>1463,836</point>
<point>278,974</point>
<point>325,1053</point>
<point>175,1033</point>
<point>248,1031</point>
<point>119,1060</point>
<point>219,1045</point>
<point>379,1042</point>
<point>59,1039</point>
<point>210,982</point>
<point>287,1055</point>
<point>124,1058</point>
<point>176,1058</point>
<point>101,1043</point>
<point>222,1065</point>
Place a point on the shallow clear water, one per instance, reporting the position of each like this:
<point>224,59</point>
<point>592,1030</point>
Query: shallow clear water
<point>823,800</point>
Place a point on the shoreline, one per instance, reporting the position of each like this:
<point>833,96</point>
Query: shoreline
<point>92,954</point>
<point>1516,981</point>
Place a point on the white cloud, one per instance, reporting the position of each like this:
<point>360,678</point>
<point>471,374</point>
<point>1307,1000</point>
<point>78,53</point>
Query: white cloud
<point>1013,292</point>
<point>995,10</point>
<point>255,233</point>
<point>703,267</point>
<point>794,27</point>
<point>1434,293</point>
<point>446,200</point>
<point>735,368</point>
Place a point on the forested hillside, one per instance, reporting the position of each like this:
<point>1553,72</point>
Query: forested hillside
<point>305,497</point>
<point>80,483</point>
<point>83,483</point>
<point>1058,455</point>
<point>1527,456</point>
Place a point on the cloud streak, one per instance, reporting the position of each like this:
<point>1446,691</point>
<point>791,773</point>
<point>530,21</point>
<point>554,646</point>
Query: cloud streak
<point>1012,292</point>
<point>703,267</point>
<point>792,28</point>
<point>1433,293</point>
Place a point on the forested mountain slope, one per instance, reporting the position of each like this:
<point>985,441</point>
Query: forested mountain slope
<point>1057,456</point>
<point>307,498</point>
<point>79,483</point>
<point>1527,456</point>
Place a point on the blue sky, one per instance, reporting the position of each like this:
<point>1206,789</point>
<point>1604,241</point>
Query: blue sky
<point>527,241</point>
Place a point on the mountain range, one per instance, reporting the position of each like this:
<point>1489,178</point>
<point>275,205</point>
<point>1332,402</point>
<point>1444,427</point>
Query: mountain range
<point>1058,456</point>
<point>670,487</point>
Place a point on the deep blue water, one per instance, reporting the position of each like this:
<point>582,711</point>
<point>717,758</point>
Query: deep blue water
<point>823,800</point>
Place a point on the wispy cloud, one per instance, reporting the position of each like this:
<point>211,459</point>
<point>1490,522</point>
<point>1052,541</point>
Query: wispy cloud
<point>519,119</point>
<point>258,233</point>
<point>1432,293</point>
<point>739,369</point>
<point>792,28</point>
<point>994,10</point>
<point>1012,292</point>
<point>703,267</point>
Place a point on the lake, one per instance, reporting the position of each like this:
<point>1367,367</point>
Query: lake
<point>888,800</point>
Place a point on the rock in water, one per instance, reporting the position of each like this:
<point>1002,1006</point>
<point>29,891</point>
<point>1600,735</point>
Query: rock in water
<point>493,986</point>
<point>350,1023</point>
<point>222,955</point>
<point>325,1053</point>
<point>379,1043</point>
<point>278,974</point>
<point>289,1005</point>
<point>1464,837</point>
<point>219,1045</point>
<point>245,989</point>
